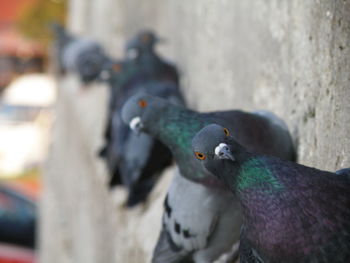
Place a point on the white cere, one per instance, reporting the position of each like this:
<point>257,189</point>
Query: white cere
<point>135,122</point>
<point>220,148</point>
<point>105,75</point>
<point>131,54</point>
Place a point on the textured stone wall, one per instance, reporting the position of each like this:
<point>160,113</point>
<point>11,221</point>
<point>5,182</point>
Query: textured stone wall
<point>290,57</point>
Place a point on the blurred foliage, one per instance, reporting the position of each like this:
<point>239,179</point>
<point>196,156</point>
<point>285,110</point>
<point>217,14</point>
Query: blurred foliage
<point>34,20</point>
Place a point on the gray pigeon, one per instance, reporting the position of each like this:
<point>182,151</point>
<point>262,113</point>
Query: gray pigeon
<point>85,57</point>
<point>80,55</point>
<point>175,126</point>
<point>188,202</point>
<point>291,213</point>
<point>150,66</point>
<point>137,158</point>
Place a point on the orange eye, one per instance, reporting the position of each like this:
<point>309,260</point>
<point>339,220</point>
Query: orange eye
<point>142,103</point>
<point>199,155</point>
<point>226,132</point>
<point>117,67</point>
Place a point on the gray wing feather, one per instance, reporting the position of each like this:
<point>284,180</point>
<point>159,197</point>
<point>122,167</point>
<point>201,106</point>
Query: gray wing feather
<point>199,220</point>
<point>167,251</point>
<point>137,151</point>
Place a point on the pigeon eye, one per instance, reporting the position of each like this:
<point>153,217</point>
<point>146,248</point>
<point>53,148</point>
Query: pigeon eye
<point>117,67</point>
<point>199,155</point>
<point>226,132</point>
<point>142,103</point>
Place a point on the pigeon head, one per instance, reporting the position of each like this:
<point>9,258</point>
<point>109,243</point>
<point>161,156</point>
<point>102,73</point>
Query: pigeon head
<point>111,69</point>
<point>214,145</point>
<point>90,67</point>
<point>139,111</point>
<point>85,57</point>
<point>143,41</point>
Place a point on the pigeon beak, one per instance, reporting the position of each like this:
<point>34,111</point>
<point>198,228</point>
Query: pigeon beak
<point>104,75</point>
<point>131,53</point>
<point>136,125</point>
<point>223,152</point>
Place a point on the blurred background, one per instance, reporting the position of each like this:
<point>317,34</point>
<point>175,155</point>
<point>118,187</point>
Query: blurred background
<point>27,97</point>
<point>290,57</point>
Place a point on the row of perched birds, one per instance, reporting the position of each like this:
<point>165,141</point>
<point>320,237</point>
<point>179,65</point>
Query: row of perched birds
<point>236,178</point>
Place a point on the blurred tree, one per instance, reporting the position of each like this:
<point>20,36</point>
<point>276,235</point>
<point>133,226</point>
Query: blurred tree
<point>34,20</point>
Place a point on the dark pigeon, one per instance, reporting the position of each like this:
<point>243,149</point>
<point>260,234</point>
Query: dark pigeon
<point>150,66</point>
<point>145,68</point>
<point>175,126</point>
<point>135,160</point>
<point>291,213</point>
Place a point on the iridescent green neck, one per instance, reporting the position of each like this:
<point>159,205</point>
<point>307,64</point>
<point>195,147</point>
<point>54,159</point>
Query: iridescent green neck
<point>254,174</point>
<point>178,126</point>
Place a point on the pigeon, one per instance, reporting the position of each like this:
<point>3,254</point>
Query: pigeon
<point>175,126</point>
<point>150,65</point>
<point>80,55</point>
<point>135,160</point>
<point>291,212</point>
<point>183,241</point>
<point>86,58</point>
<point>139,157</point>
<point>126,77</point>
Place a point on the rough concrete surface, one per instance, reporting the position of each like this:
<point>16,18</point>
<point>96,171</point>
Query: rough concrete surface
<point>290,57</point>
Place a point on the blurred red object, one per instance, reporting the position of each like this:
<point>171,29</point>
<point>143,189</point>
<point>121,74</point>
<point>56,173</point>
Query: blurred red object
<point>14,254</point>
<point>18,54</point>
<point>10,9</point>
<point>13,44</point>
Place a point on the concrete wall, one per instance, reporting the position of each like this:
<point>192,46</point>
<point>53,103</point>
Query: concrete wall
<point>291,57</point>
